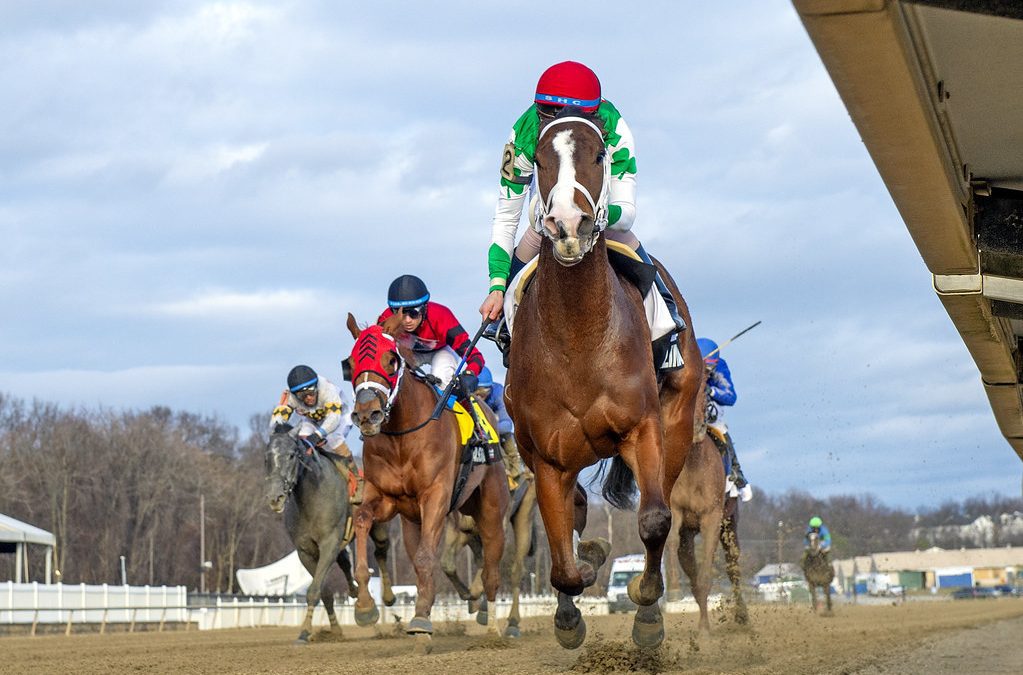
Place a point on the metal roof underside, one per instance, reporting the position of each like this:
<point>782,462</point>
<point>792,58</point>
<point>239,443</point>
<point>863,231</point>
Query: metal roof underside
<point>935,89</point>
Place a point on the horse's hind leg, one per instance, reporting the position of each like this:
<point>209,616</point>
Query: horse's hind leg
<point>710,528</point>
<point>454,541</point>
<point>381,546</point>
<point>687,561</point>
<point>345,563</point>
<point>523,525</point>
<point>730,544</point>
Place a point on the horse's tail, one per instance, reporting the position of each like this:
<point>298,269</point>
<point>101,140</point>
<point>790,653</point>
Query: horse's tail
<point>619,487</point>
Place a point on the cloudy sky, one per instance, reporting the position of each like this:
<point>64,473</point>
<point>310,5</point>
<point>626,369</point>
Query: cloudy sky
<point>194,194</point>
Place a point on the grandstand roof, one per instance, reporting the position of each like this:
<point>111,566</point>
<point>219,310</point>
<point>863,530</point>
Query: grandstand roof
<point>15,531</point>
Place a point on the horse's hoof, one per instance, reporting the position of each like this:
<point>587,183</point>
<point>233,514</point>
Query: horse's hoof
<point>481,617</point>
<point>511,631</point>
<point>389,599</point>
<point>594,551</point>
<point>571,638</point>
<point>474,605</point>
<point>303,638</point>
<point>419,626</point>
<point>367,617</point>
<point>424,644</point>
<point>648,627</point>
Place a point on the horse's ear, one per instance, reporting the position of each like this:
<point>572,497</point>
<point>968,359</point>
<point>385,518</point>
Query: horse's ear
<point>282,428</point>
<point>346,369</point>
<point>353,326</point>
<point>391,323</point>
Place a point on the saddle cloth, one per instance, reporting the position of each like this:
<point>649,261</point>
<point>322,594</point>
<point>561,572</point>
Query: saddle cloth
<point>658,317</point>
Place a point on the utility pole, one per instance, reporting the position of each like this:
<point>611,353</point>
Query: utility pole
<point>781,524</point>
<point>202,543</point>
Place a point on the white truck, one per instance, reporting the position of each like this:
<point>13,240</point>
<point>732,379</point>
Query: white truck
<point>622,571</point>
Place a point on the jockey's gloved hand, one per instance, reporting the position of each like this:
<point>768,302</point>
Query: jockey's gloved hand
<point>317,438</point>
<point>468,382</point>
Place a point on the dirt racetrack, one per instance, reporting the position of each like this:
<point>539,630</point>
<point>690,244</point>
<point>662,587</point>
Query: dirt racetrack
<point>971,636</point>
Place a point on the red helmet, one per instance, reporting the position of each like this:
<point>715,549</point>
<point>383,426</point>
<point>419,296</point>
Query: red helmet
<point>569,83</point>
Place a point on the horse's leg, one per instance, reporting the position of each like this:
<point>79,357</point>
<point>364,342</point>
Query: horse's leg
<point>454,541</point>
<point>344,561</point>
<point>687,560</point>
<point>555,492</point>
<point>327,597</point>
<point>317,566</point>
<point>523,526</point>
<point>730,544</point>
<point>813,596</point>
<point>426,537</point>
<point>373,507</point>
<point>381,546</point>
<point>490,534</point>
<point>477,598</point>
<point>827,595</point>
<point>641,450</point>
<point>710,528</point>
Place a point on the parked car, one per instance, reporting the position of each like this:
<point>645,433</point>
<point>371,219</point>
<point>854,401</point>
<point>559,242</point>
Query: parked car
<point>974,592</point>
<point>1005,590</point>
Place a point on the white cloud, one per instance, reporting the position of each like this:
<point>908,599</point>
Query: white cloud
<point>258,305</point>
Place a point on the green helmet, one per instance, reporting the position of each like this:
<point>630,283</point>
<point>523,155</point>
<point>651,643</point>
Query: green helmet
<point>816,521</point>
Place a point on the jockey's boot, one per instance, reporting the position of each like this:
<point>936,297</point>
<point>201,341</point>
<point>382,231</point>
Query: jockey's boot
<point>667,354</point>
<point>512,461</point>
<point>353,470</point>
<point>662,288</point>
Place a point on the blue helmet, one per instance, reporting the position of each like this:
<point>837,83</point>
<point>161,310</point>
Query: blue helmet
<point>706,347</point>
<point>486,378</point>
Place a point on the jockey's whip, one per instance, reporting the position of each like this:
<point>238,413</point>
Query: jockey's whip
<point>732,339</point>
<point>458,369</point>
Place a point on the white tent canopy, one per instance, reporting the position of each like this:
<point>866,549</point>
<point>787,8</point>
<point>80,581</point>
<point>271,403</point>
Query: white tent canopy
<point>13,531</point>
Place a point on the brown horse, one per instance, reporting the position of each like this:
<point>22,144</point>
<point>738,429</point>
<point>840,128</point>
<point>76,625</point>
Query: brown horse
<point>581,385</point>
<point>462,532</point>
<point>699,506</point>
<point>411,465</point>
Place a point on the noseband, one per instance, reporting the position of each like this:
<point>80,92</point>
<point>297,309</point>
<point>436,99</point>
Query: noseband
<point>598,207</point>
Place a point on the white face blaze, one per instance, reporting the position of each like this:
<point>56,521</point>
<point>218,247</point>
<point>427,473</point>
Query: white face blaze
<point>564,214</point>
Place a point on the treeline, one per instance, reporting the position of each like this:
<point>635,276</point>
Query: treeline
<point>111,484</point>
<point>129,483</point>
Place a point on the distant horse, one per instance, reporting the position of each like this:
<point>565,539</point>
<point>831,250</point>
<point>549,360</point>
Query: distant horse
<point>462,532</point>
<point>699,506</point>
<point>818,571</point>
<point>309,489</point>
<point>581,385</point>
<point>411,465</point>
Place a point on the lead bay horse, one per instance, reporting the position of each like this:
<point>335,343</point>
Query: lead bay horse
<point>410,466</point>
<point>308,488</point>
<point>581,385</point>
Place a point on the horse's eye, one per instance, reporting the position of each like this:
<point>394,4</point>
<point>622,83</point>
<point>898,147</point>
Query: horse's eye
<point>601,155</point>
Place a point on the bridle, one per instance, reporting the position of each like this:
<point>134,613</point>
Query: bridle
<point>291,480</point>
<point>598,206</point>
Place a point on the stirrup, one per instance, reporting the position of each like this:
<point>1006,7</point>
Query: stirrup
<point>498,334</point>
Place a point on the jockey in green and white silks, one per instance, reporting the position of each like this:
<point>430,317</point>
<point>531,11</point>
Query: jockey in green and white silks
<point>570,84</point>
<point>517,177</point>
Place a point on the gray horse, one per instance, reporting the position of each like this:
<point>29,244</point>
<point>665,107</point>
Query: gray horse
<point>307,486</point>
<point>818,571</point>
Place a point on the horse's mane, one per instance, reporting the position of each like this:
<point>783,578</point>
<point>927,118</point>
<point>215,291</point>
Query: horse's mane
<point>576,111</point>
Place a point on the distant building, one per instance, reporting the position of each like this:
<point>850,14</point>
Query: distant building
<point>939,568</point>
<point>783,572</point>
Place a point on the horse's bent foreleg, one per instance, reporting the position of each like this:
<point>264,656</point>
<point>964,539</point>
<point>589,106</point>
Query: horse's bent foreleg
<point>381,546</point>
<point>375,506</point>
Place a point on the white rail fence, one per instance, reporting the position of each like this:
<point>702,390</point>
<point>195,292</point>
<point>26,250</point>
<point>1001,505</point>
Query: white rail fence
<point>97,606</point>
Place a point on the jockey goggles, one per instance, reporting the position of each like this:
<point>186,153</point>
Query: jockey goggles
<point>413,312</point>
